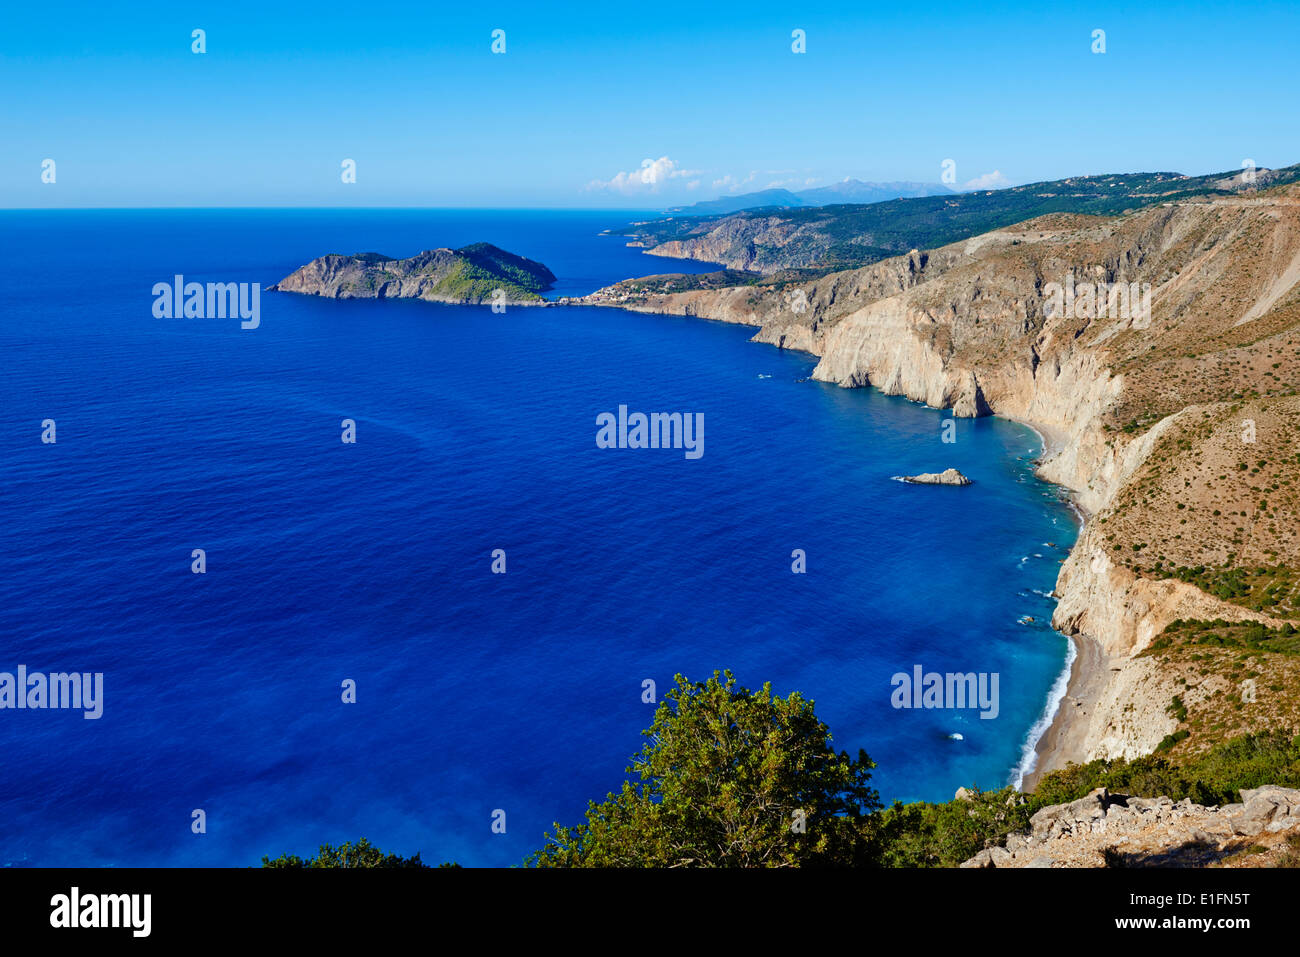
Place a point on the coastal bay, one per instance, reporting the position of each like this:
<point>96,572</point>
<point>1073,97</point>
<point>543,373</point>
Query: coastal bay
<point>1141,416</point>
<point>475,431</point>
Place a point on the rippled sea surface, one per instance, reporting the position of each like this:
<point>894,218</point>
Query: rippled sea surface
<point>326,562</point>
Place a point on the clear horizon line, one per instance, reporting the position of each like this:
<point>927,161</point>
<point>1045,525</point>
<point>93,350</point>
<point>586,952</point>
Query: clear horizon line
<point>577,209</point>
<point>613,209</point>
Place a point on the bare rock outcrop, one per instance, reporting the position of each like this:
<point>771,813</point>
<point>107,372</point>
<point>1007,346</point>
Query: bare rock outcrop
<point>946,477</point>
<point>1115,830</point>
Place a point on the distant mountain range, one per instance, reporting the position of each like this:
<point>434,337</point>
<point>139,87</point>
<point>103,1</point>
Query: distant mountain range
<point>846,191</point>
<point>1147,391</point>
<point>846,236</point>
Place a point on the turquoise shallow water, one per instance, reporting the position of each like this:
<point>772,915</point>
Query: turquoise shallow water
<point>371,562</point>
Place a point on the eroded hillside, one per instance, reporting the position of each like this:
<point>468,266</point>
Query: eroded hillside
<point>1159,352</point>
<point>769,240</point>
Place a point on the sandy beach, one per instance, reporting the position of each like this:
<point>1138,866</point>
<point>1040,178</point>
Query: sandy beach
<point>1052,439</point>
<point>1063,741</point>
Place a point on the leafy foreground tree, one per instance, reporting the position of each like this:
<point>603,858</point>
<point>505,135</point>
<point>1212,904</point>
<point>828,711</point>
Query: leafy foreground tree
<point>925,834</point>
<point>360,854</point>
<point>730,778</point>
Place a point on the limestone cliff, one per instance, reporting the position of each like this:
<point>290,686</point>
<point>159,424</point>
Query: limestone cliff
<point>1141,407</point>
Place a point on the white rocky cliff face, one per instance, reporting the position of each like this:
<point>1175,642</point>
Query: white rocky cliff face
<point>965,328</point>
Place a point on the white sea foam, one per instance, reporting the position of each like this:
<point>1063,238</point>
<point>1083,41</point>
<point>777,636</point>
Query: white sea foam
<point>1029,753</point>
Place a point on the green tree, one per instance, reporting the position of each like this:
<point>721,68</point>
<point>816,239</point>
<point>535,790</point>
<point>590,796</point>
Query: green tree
<point>729,778</point>
<point>360,854</point>
<point>944,835</point>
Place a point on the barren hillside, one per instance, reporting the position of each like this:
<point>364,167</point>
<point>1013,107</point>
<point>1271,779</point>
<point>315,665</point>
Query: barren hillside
<point>1159,351</point>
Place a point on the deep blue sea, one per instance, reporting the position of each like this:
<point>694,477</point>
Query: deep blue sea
<point>372,561</point>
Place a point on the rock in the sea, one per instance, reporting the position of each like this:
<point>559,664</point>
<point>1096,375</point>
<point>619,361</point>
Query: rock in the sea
<point>475,274</point>
<point>946,477</point>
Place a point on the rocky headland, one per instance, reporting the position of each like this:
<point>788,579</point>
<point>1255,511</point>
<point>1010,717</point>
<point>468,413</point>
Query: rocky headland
<point>1175,427</point>
<point>479,273</point>
<point>772,241</point>
<point>1156,352</point>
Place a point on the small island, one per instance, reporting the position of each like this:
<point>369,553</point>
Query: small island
<point>474,274</point>
<point>946,477</point>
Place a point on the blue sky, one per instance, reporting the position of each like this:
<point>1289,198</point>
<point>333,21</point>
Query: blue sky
<point>584,92</point>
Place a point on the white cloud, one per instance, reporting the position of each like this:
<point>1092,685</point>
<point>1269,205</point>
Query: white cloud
<point>993,180</point>
<point>733,185</point>
<point>653,174</point>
